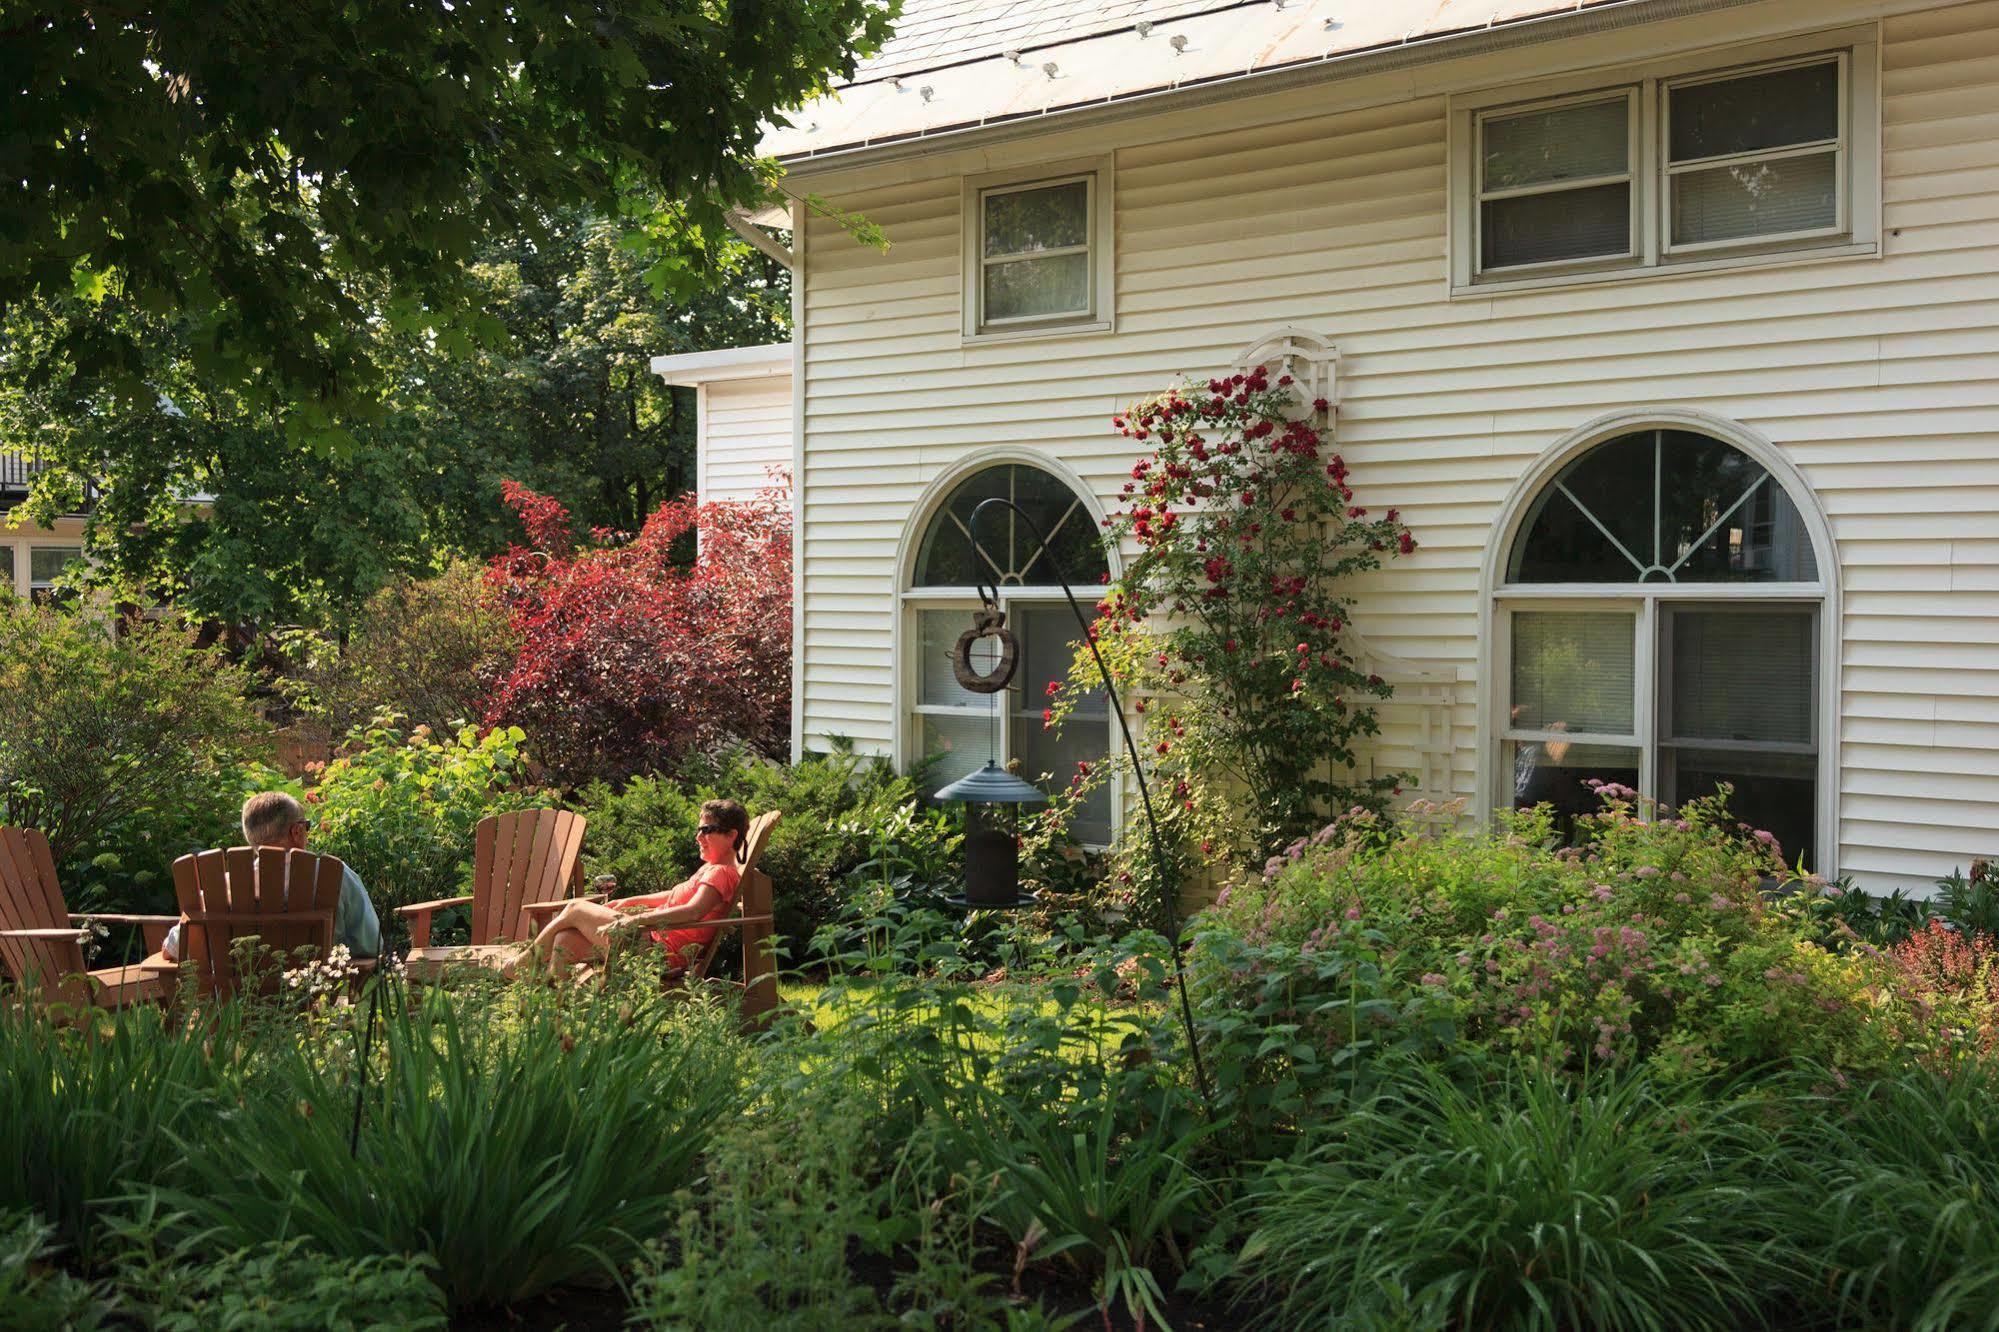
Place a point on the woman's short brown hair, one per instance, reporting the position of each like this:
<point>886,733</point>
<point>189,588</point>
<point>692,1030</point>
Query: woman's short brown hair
<point>730,815</point>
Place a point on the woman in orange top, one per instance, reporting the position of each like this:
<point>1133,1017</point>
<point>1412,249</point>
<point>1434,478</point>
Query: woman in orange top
<point>582,929</point>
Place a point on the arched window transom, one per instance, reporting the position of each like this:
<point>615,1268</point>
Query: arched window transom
<point>1007,551</point>
<point>1666,506</point>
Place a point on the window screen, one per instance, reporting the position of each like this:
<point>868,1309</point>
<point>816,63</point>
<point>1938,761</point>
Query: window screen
<point>1034,252</point>
<point>1756,155</point>
<point>1574,671</point>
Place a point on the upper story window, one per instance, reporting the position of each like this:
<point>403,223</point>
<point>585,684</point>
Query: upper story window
<point>1680,165</point>
<point>1037,252</point>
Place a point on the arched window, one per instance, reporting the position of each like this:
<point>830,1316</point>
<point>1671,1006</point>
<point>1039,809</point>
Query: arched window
<point>1658,624</point>
<point>959,729</point>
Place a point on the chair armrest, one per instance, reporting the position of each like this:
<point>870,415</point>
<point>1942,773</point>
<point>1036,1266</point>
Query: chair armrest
<point>122,918</point>
<point>65,932</point>
<point>427,907</point>
<point>645,919</point>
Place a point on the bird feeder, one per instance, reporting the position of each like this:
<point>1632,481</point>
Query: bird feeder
<point>992,797</point>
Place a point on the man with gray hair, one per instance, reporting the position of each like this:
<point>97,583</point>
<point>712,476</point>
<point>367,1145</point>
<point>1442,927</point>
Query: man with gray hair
<point>273,818</point>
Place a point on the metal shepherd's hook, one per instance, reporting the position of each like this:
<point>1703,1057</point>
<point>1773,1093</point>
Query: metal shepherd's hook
<point>989,594</point>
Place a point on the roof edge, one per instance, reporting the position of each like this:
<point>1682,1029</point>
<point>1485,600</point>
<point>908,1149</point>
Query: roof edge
<point>693,369</point>
<point>1508,35</point>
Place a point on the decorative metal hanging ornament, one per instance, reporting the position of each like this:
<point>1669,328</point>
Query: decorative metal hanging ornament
<point>987,622</point>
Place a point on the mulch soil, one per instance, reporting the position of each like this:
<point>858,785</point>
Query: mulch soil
<point>582,1310</point>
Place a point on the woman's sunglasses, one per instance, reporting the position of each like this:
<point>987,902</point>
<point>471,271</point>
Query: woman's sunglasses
<point>709,829</point>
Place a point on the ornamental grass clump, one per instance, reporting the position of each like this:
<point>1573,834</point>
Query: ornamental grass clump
<point>1896,1182</point>
<point>1230,629</point>
<point>1534,1201</point>
<point>520,1140</point>
<point>91,1113</point>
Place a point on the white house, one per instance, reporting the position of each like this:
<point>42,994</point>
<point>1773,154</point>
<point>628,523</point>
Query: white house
<point>1671,326</point>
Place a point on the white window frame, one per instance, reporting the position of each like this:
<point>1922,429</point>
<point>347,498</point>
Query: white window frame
<point>1498,595</point>
<point>1858,169</point>
<point>1651,676</point>
<point>1633,158</point>
<point>916,599</point>
<point>24,564</point>
<point>1099,174</point>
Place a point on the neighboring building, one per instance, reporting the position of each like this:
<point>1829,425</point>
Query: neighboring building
<point>1671,326</point>
<point>32,557</point>
<point>742,404</point>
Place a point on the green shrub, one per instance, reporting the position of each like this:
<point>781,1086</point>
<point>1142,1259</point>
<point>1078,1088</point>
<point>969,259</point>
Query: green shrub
<point>1652,941</point>
<point>124,747</point>
<point>401,809</point>
<point>1536,1202</point>
<point>520,1141</point>
<point>88,1115</point>
<point>834,809</point>
<point>426,650</point>
<point>277,1286</point>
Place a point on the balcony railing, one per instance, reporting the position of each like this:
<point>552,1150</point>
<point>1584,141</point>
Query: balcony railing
<point>17,470</point>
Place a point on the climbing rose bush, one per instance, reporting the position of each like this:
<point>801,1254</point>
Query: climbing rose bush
<point>635,653</point>
<point>1229,631</point>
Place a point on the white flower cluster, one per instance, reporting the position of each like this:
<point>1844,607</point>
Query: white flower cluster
<point>98,932</point>
<point>318,979</point>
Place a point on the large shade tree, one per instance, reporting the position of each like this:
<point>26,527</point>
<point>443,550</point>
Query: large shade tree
<point>430,241</point>
<point>259,170</point>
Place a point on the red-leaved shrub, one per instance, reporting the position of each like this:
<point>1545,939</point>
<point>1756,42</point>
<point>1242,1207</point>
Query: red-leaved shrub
<point>1954,975</point>
<point>631,657</point>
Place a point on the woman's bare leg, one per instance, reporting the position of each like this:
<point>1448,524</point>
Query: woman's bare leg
<point>574,933</point>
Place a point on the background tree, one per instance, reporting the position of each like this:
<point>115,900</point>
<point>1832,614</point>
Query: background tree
<point>563,400</point>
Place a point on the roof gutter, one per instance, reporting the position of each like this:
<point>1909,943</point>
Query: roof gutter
<point>1405,54</point>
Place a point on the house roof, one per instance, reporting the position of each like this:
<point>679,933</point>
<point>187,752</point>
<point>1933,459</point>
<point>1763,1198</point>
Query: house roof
<point>956,65</point>
<point>690,369</point>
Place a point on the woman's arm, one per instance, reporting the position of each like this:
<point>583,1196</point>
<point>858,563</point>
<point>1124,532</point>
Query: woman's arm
<point>695,908</point>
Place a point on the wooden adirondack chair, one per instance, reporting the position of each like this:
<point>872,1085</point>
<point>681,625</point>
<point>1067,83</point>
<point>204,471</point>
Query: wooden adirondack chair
<point>282,898</point>
<point>519,860</point>
<point>41,944</point>
<point>751,914</point>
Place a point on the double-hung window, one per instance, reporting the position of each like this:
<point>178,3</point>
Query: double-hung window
<point>46,565</point>
<point>1682,164</point>
<point>1037,252</point>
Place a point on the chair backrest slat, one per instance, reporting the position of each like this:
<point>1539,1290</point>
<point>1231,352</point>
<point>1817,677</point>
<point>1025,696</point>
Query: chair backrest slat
<point>518,858</point>
<point>758,838</point>
<point>31,899</point>
<point>231,895</point>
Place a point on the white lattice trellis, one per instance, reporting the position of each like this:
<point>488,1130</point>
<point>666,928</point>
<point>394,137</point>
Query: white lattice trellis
<point>1308,358</point>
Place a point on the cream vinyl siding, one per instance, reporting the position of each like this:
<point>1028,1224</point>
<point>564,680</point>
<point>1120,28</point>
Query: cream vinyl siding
<point>1878,378</point>
<point>745,432</point>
